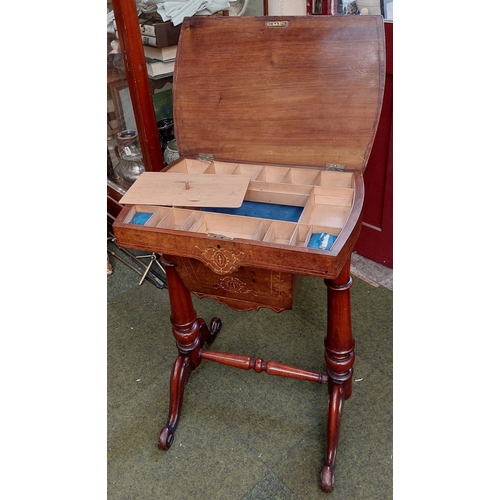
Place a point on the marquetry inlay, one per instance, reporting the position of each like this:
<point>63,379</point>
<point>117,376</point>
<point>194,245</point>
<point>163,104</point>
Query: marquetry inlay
<point>233,285</point>
<point>220,261</point>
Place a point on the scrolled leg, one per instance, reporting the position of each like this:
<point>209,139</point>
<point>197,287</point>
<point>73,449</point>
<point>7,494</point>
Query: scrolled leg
<point>339,357</point>
<point>190,333</point>
<point>178,380</point>
<point>209,334</point>
<point>335,404</point>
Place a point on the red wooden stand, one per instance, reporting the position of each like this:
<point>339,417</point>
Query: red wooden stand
<point>244,112</point>
<point>192,334</point>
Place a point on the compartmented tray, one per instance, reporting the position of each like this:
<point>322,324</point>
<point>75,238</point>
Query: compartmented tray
<point>321,199</point>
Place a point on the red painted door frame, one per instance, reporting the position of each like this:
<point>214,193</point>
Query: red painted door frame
<point>375,240</point>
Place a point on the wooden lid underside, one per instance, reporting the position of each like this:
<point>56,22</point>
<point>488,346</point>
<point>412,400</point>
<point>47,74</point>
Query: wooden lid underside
<point>295,90</point>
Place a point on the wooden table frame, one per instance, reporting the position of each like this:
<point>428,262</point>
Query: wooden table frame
<point>192,334</point>
<point>214,120</point>
<point>180,250</point>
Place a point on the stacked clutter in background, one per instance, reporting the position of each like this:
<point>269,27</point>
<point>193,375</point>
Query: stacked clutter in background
<point>330,7</point>
<point>159,40</point>
<point>176,11</point>
<point>160,37</point>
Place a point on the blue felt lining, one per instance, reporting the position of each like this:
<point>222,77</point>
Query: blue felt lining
<point>140,218</point>
<point>262,210</point>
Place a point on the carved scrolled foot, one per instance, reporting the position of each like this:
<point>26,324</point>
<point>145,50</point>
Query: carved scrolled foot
<point>335,404</point>
<point>178,380</point>
<point>208,334</point>
<point>166,438</point>
<point>215,326</point>
<point>327,478</point>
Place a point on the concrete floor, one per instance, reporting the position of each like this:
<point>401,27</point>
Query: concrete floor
<point>370,271</point>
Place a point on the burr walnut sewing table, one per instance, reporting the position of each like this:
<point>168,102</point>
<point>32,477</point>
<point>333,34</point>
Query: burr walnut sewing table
<point>278,113</point>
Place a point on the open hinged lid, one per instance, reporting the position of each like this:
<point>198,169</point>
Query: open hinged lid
<point>301,90</point>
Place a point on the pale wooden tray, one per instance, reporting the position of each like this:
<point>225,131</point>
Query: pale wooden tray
<point>187,190</point>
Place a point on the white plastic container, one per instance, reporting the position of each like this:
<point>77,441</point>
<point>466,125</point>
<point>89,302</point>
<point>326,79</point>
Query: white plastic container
<point>373,6</point>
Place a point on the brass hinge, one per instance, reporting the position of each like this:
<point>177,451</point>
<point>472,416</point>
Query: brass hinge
<point>205,157</point>
<point>340,167</point>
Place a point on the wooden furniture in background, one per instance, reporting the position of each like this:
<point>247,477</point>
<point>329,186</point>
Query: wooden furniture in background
<point>265,114</point>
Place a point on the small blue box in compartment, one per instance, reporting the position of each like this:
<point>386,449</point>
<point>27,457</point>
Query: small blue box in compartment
<point>262,211</point>
<point>140,218</point>
<point>323,241</point>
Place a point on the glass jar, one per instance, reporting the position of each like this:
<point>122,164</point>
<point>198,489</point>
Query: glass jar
<point>369,7</point>
<point>129,155</point>
<point>171,152</point>
<point>165,131</point>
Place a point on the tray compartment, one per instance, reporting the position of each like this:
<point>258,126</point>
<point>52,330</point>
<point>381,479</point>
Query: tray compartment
<point>282,233</point>
<point>278,194</point>
<point>179,218</point>
<point>301,176</point>
<point>328,207</point>
<point>335,179</point>
<point>251,171</point>
<point>228,226</point>
<point>273,174</point>
<point>342,197</point>
<point>157,216</point>
<point>302,235</point>
<point>322,229</point>
<point>139,212</point>
<point>217,167</point>
<point>189,166</point>
<point>327,215</point>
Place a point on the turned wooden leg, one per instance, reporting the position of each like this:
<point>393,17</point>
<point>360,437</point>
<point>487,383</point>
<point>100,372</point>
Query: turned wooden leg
<point>339,356</point>
<point>191,333</point>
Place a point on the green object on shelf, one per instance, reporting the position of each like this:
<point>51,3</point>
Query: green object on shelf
<point>163,104</point>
